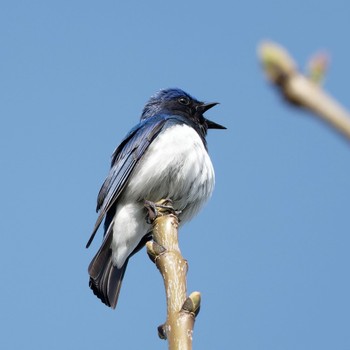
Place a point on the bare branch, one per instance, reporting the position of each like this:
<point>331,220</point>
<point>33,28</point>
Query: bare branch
<point>165,253</point>
<point>300,90</point>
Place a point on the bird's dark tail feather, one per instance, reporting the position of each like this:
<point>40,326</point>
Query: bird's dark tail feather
<point>106,279</point>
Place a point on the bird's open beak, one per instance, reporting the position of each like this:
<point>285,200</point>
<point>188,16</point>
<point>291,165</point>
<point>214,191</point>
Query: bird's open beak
<point>205,106</point>
<point>211,125</point>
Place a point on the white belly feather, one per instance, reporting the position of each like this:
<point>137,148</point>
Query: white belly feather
<point>177,166</point>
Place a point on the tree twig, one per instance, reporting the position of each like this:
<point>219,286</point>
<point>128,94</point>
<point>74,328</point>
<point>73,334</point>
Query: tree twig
<point>300,90</point>
<point>165,253</point>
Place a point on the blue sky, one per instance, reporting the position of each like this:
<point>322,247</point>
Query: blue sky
<point>269,252</point>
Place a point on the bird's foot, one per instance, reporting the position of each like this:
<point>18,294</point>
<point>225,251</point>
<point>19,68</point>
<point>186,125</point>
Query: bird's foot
<point>163,207</point>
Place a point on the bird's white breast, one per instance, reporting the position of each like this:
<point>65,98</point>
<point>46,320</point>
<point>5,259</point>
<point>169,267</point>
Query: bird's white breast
<point>176,165</point>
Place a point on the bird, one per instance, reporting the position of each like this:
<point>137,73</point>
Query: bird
<point>164,156</point>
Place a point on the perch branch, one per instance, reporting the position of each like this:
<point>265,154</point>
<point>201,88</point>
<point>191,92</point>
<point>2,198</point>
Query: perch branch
<point>300,90</point>
<point>165,253</point>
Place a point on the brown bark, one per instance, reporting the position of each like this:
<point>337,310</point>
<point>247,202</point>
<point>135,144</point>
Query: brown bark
<point>165,252</point>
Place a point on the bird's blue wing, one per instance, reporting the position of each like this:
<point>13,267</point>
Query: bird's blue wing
<point>124,159</point>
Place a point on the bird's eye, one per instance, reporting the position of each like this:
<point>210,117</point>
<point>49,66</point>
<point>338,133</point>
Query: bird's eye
<point>184,101</point>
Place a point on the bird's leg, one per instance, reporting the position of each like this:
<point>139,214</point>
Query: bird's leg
<point>151,211</point>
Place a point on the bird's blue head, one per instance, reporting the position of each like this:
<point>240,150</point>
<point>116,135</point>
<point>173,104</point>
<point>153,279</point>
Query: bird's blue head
<point>178,102</point>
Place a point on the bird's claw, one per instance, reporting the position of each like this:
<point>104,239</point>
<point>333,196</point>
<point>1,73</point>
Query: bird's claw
<point>167,207</point>
<point>163,207</point>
